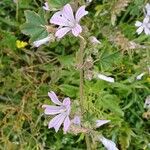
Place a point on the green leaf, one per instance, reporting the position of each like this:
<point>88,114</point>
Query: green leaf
<point>69,90</point>
<point>58,3</point>
<point>34,26</point>
<point>111,103</point>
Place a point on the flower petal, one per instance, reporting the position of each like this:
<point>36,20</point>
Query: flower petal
<point>66,103</point>
<point>105,78</point>
<point>46,7</point>
<point>76,30</point>
<point>42,41</point>
<point>140,30</point>
<point>147,31</point>
<point>68,13</point>
<point>52,110</point>
<point>138,23</point>
<point>109,145</point>
<point>56,122</point>
<point>67,123</point>
<point>101,122</point>
<point>80,13</point>
<point>58,19</point>
<point>54,98</point>
<point>61,32</point>
<point>146,19</point>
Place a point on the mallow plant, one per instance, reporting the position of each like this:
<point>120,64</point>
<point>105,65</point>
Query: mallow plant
<point>66,20</point>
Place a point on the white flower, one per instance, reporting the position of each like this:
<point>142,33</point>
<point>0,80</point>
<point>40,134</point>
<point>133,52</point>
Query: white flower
<point>42,41</point>
<point>147,102</point>
<point>109,145</point>
<point>15,1</point>
<point>46,6</point>
<point>101,122</point>
<point>139,77</point>
<point>103,77</point>
<point>94,40</point>
<point>147,7</point>
<point>143,26</point>
<point>89,1</point>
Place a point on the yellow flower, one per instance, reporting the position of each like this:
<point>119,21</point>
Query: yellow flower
<point>21,44</point>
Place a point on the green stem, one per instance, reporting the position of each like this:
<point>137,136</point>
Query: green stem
<point>81,57</point>
<point>17,10</point>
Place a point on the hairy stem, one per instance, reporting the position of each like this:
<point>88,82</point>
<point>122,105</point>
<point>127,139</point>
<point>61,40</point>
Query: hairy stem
<point>81,57</point>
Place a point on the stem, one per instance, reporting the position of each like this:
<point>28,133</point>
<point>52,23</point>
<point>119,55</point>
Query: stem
<point>17,9</point>
<point>81,56</point>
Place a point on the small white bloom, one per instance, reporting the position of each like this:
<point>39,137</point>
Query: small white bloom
<point>46,6</point>
<point>145,26</point>
<point>101,122</point>
<point>147,7</point>
<point>147,102</point>
<point>89,1</point>
<point>139,77</point>
<point>109,145</point>
<point>15,1</point>
<point>94,40</point>
<point>42,41</point>
<point>103,77</point>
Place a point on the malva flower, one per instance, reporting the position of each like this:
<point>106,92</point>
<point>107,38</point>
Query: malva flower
<point>105,78</point>
<point>99,123</point>
<point>43,41</point>
<point>143,26</point>
<point>109,145</point>
<point>46,6</point>
<point>67,22</point>
<point>147,7</point>
<point>62,112</point>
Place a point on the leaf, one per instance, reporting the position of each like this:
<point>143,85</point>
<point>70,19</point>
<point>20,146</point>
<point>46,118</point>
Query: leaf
<point>111,103</point>
<point>57,3</point>
<point>34,26</point>
<point>69,90</point>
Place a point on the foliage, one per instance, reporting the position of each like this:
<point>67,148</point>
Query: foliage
<point>28,73</point>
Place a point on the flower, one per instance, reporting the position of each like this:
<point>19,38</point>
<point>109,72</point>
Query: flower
<point>21,44</point>
<point>147,102</point>
<point>67,21</point>
<point>94,40</point>
<point>62,112</point>
<point>147,7</point>
<point>43,41</point>
<point>109,145</point>
<point>139,77</point>
<point>101,122</point>
<point>143,26</point>
<point>77,120</point>
<point>46,6</point>
<point>103,77</point>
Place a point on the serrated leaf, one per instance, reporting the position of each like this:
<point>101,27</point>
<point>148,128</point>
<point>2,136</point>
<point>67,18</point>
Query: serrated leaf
<point>34,26</point>
<point>58,3</point>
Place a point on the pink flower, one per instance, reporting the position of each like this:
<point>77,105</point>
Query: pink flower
<point>61,111</point>
<point>67,21</point>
